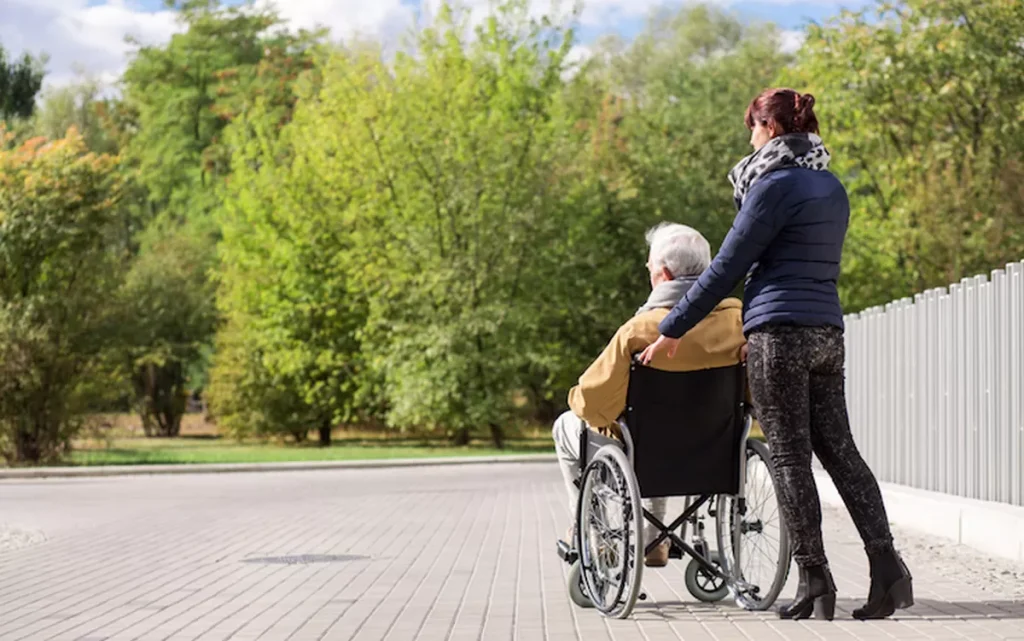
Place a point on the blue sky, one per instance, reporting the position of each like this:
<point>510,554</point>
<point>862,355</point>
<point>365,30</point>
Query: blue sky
<point>790,16</point>
<point>87,36</point>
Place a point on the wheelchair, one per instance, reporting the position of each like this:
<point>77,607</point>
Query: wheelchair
<point>684,434</point>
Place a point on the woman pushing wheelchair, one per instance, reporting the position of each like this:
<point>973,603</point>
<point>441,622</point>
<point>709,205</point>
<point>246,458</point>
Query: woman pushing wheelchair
<point>788,239</point>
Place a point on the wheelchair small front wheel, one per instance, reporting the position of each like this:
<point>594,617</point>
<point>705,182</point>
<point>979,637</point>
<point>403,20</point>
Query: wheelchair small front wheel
<point>703,585</point>
<point>575,585</point>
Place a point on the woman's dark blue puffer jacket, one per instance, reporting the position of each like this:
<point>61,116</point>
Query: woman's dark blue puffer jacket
<point>788,240</point>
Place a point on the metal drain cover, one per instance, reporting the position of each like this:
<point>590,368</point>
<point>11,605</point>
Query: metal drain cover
<point>305,559</point>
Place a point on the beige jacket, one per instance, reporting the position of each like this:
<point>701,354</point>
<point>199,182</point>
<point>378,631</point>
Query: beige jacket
<point>600,397</point>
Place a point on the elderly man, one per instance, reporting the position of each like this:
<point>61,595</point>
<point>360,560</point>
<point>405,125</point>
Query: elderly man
<point>678,255</point>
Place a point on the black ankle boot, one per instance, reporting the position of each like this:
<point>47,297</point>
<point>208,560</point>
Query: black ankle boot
<point>815,594</point>
<point>891,587</point>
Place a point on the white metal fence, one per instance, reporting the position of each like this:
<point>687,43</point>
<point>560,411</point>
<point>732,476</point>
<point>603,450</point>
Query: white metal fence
<point>935,387</point>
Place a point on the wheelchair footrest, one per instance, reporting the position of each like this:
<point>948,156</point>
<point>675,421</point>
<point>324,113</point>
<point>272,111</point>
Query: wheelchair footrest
<point>675,552</point>
<point>566,553</point>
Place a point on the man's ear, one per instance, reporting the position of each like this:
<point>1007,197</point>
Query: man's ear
<point>666,273</point>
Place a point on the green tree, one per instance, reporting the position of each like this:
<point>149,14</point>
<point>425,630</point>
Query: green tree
<point>58,207</point>
<point>922,105</point>
<point>77,105</point>
<point>186,92</point>
<point>179,100</point>
<point>246,399</point>
<point>676,99</point>
<point>20,81</point>
<point>168,310</point>
<point>173,89</point>
<point>446,165</point>
<point>285,280</point>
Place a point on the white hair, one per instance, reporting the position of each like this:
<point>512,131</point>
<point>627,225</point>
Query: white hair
<point>680,249</point>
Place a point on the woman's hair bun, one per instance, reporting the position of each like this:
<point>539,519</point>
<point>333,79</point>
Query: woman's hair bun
<point>803,112</point>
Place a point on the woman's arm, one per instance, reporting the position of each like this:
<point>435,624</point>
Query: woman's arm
<point>756,225</point>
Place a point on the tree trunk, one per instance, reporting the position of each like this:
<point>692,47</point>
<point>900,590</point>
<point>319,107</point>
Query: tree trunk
<point>161,397</point>
<point>40,432</point>
<point>461,436</point>
<point>26,443</point>
<point>36,439</point>
<point>497,436</point>
<point>325,433</point>
<point>544,409</point>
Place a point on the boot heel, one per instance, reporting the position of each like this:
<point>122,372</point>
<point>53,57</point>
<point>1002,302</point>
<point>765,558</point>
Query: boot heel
<point>825,607</point>
<point>798,612</point>
<point>901,594</point>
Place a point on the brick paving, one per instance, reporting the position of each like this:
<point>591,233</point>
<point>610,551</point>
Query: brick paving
<point>460,553</point>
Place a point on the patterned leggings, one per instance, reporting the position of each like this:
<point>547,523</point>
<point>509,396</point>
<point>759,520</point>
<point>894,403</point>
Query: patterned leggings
<point>797,384</point>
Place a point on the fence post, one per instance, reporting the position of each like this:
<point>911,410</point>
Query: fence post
<point>1016,347</point>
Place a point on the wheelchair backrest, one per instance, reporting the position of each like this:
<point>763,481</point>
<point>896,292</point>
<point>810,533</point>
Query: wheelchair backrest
<point>687,429</point>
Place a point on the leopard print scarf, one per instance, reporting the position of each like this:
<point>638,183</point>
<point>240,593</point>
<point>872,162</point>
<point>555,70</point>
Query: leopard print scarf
<point>789,150</point>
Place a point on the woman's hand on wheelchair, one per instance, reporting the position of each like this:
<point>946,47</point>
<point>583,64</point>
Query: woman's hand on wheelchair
<point>662,344</point>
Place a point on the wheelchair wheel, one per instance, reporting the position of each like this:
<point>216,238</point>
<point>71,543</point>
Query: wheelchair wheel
<point>575,585</point>
<point>705,586</point>
<point>609,536</point>
<point>752,540</point>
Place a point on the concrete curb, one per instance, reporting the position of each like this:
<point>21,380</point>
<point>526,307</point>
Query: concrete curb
<point>288,466</point>
<point>994,528</point>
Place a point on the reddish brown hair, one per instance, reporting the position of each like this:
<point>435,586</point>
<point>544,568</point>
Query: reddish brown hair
<point>792,112</point>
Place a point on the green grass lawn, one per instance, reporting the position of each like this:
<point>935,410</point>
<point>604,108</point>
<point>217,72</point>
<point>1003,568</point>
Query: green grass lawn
<point>153,451</point>
<point>121,445</point>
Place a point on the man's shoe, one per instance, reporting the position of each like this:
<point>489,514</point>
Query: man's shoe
<point>658,558</point>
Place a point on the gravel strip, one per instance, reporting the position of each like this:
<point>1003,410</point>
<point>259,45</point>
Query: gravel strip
<point>1002,578</point>
<point>13,538</point>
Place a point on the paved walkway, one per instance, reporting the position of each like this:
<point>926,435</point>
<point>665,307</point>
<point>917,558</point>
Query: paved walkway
<point>418,553</point>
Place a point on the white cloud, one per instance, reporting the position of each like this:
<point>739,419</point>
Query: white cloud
<point>577,57</point>
<point>347,17</point>
<point>578,54</point>
<point>790,41</point>
<point>77,36</point>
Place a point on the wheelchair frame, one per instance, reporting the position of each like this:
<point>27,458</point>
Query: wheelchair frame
<point>733,583</point>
